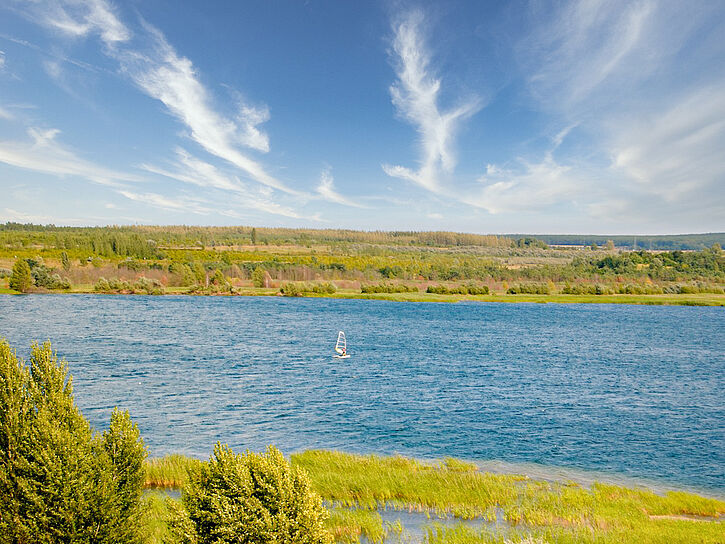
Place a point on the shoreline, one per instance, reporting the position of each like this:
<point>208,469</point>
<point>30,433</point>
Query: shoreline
<point>696,299</point>
<point>532,471</point>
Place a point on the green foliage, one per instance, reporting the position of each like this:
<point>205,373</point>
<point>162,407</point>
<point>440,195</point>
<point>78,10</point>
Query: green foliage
<point>291,290</point>
<point>388,288</point>
<point>326,288</point>
<point>259,277</point>
<point>64,261</point>
<point>21,280</point>
<point>458,290</point>
<point>249,499</point>
<point>531,242</point>
<point>529,289</point>
<point>59,482</point>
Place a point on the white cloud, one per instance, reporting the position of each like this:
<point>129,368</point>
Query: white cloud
<point>45,154</point>
<point>166,76</point>
<point>159,71</point>
<point>5,114</point>
<point>2,60</point>
<point>533,187</point>
<point>415,95</point>
<point>190,169</point>
<point>80,18</point>
<point>326,189</point>
<point>435,216</point>
<point>184,204</point>
<point>678,151</point>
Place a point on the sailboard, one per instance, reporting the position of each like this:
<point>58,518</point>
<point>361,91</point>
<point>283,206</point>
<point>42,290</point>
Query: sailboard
<point>341,347</point>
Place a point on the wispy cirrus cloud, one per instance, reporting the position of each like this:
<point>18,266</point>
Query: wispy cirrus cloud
<point>192,170</point>
<point>80,18</point>
<point>156,68</point>
<point>326,189</point>
<point>415,95</point>
<point>43,153</point>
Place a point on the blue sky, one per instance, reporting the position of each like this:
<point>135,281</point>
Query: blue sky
<point>592,116</point>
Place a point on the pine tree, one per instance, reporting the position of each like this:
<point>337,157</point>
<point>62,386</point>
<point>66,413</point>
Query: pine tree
<point>21,279</point>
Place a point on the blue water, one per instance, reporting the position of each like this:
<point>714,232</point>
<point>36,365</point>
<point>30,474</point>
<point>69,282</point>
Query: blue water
<point>632,390</point>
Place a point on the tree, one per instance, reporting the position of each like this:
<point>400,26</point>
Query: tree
<point>610,245</point>
<point>21,279</point>
<point>218,279</point>
<point>259,277</point>
<point>59,482</point>
<point>254,237</point>
<point>249,499</point>
<point>64,261</point>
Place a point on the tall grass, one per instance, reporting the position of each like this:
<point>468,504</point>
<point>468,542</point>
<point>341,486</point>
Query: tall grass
<point>534,511</point>
<point>170,471</point>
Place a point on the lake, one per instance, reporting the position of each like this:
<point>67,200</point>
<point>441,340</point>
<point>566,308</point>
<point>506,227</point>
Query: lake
<point>637,391</point>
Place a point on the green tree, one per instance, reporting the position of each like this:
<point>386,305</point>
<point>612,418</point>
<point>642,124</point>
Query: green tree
<point>254,237</point>
<point>64,261</point>
<point>259,277</point>
<point>249,499</point>
<point>21,279</point>
<point>59,483</point>
<point>218,278</point>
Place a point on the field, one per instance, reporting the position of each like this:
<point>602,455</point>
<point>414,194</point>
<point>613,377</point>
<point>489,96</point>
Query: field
<point>426,266</point>
<point>454,502</point>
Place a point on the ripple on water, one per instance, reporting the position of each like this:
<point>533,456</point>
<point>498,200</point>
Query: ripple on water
<point>629,390</point>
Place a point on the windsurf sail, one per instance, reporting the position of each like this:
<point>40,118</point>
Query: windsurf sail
<point>341,346</point>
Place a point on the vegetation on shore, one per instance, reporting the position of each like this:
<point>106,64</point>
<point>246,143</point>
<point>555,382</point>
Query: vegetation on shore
<point>242,261</point>
<point>506,507</point>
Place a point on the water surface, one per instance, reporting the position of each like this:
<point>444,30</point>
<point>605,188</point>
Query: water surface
<point>630,390</point>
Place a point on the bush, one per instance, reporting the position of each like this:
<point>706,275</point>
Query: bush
<point>251,499</point>
<point>291,290</point>
<point>324,288</point>
<point>102,285</point>
<point>458,290</point>
<point>58,481</point>
<point>388,288</point>
<point>529,289</point>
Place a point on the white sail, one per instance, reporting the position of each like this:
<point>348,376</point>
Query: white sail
<point>341,346</point>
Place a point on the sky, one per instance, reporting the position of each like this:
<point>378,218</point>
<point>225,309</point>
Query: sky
<point>602,117</point>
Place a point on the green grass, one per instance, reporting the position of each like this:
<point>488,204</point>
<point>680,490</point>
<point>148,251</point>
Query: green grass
<point>356,486</point>
<point>170,471</point>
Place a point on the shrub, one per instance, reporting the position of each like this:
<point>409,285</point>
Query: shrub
<point>529,289</point>
<point>59,482</point>
<point>251,499</point>
<point>291,290</point>
<point>458,290</point>
<point>388,288</point>
<point>102,285</point>
<point>324,288</point>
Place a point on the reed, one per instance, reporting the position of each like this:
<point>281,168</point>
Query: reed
<point>170,471</point>
<point>356,486</point>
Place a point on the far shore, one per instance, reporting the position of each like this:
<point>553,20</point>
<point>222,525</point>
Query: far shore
<point>693,299</point>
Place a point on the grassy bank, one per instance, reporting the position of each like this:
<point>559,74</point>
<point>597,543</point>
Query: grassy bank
<point>508,507</point>
<point>694,299</point>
